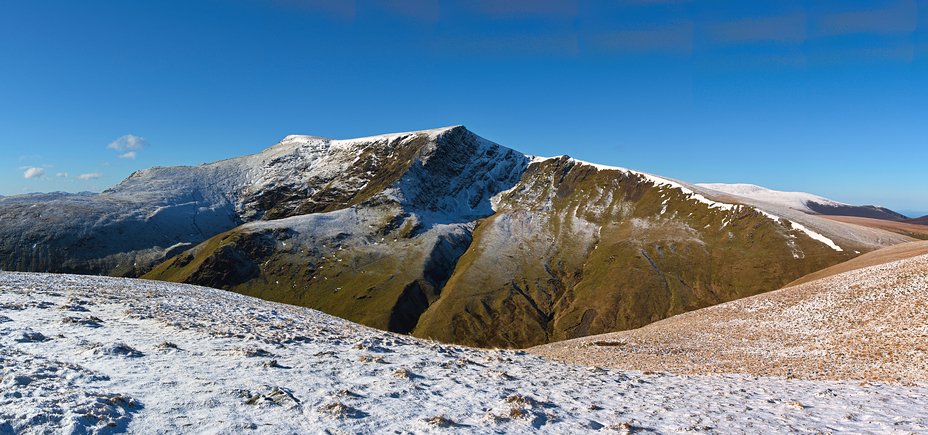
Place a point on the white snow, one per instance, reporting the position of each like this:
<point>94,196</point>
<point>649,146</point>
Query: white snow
<point>83,354</point>
<point>662,181</point>
<point>804,229</point>
<point>817,236</point>
<point>794,200</point>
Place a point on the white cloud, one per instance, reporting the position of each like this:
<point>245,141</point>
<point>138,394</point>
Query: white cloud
<point>33,172</point>
<point>62,174</point>
<point>128,155</point>
<point>128,142</point>
<point>92,176</point>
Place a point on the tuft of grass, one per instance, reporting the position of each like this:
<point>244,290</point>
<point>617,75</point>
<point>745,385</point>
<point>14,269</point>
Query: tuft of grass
<point>338,409</point>
<point>610,343</point>
<point>402,373</point>
<point>521,400</point>
<point>441,421</point>
<point>371,358</point>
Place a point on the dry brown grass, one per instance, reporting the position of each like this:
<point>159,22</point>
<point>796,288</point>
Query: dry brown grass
<point>911,229</point>
<point>865,324</point>
<point>881,256</point>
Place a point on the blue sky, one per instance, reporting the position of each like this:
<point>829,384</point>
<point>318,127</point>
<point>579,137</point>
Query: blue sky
<point>829,98</point>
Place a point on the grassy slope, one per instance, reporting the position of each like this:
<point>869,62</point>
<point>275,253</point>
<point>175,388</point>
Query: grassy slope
<point>910,228</point>
<point>574,251</point>
<point>601,256</point>
<point>330,280</point>
<point>880,256</point>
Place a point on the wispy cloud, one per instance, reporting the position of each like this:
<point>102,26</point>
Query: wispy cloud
<point>62,174</point>
<point>92,176</point>
<point>901,18</point>
<point>901,53</point>
<point>339,9</point>
<point>524,8</point>
<point>675,38</point>
<point>425,10</point>
<point>128,142</point>
<point>790,29</point>
<point>33,172</point>
<point>128,155</point>
<point>510,45</point>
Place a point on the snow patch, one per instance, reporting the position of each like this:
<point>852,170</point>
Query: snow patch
<point>806,230</point>
<point>192,359</point>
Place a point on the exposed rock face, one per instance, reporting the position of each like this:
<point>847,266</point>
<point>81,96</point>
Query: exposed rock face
<point>438,233</point>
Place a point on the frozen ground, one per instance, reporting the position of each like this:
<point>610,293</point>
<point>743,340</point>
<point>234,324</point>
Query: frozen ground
<point>85,354</point>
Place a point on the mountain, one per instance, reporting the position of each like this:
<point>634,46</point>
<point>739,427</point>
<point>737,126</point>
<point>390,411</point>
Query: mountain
<point>907,227</point>
<point>913,213</point>
<point>576,249</point>
<point>100,355</point>
<point>438,233</point>
<point>863,320</point>
<point>919,221</point>
<point>804,202</point>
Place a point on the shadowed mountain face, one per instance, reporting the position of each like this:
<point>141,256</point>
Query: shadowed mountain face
<point>918,221</point>
<point>866,211</point>
<point>438,233</point>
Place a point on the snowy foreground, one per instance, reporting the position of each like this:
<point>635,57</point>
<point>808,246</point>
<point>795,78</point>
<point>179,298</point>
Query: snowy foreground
<point>101,355</point>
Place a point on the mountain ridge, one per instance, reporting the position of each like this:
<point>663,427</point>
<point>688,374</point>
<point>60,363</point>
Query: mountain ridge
<point>805,202</point>
<point>396,231</point>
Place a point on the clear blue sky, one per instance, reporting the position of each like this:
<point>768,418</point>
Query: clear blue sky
<point>829,98</point>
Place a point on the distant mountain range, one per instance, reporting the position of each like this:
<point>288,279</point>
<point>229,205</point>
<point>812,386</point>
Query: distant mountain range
<point>441,234</point>
<point>913,214</point>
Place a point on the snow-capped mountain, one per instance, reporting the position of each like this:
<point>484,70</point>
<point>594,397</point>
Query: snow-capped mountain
<point>804,202</point>
<point>438,233</point>
<point>158,212</point>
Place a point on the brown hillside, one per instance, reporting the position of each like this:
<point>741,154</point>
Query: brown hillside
<point>918,221</point>
<point>910,227</point>
<point>865,324</point>
<point>882,256</point>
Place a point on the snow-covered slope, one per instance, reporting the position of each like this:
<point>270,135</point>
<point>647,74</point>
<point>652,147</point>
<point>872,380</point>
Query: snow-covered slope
<point>97,355</point>
<point>804,202</point>
<point>448,174</point>
<point>795,200</point>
